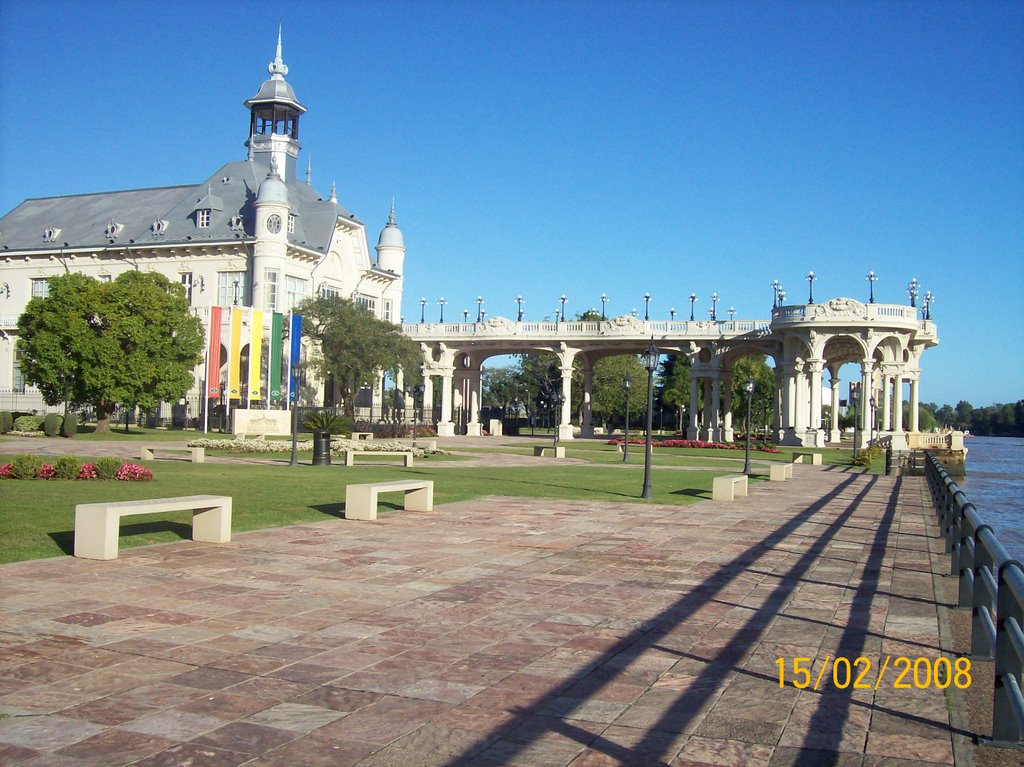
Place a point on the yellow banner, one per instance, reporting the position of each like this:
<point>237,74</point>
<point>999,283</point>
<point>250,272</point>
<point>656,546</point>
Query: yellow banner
<point>255,354</point>
<point>235,355</point>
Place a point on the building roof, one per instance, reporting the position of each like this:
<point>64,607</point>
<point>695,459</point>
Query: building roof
<point>84,220</point>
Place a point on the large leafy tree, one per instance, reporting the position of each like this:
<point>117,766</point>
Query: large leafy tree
<point>131,341</point>
<point>353,346</point>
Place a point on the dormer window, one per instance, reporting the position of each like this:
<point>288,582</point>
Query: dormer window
<point>113,230</point>
<point>50,234</point>
<point>291,223</point>
<point>159,226</point>
<point>203,216</point>
<point>236,223</point>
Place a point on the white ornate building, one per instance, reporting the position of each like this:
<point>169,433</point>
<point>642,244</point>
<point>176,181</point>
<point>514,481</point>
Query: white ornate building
<point>251,235</point>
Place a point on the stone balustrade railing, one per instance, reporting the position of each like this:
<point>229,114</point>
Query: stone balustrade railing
<point>499,326</point>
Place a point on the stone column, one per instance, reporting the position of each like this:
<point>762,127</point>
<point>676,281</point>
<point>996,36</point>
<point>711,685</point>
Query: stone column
<point>727,433</point>
<point>587,427</point>
<point>428,397</point>
<point>899,436</point>
<point>886,401</point>
<point>705,426</point>
<point>865,408</point>
<point>691,431</point>
<point>716,407</point>
<point>915,404</point>
<point>445,427</point>
<point>777,405</point>
<point>814,431</point>
<point>565,423</point>
<point>785,400</point>
<point>835,435</point>
<point>473,379</point>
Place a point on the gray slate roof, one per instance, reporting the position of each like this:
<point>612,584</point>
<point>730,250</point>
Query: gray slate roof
<point>83,218</point>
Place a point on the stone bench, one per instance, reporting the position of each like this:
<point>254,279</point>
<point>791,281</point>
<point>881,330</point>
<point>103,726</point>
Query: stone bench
<point>557,452</point>
<point>97,524</point>
<point>350,455</point>
<point>729,487</point>
<point>424,443</point>
<point>361,499</point>
<point>780,472</point>
<point>812,458</point>
<point>361,435</point>
<point>147,452</point>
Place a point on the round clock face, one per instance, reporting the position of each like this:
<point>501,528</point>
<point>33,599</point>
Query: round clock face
<point>274,224</point>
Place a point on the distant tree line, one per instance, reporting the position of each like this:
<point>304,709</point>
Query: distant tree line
<point>1003,420</point>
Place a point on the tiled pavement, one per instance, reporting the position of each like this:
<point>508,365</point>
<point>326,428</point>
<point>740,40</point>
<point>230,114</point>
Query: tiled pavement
<point>490,632</point>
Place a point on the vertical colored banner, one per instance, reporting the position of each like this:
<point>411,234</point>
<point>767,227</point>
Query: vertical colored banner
<point>235,355</point>
<point>213,355</point>
<point>276,341</point>
<point>295,334</point>
<point>255,353</point>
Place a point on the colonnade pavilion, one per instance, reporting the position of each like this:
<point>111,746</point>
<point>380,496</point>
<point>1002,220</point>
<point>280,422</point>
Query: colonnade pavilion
<point>804,341</point>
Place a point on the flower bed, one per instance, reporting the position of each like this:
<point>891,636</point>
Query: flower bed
<point>30,467</point>
<point>699,443</point>
<point>338,446</point>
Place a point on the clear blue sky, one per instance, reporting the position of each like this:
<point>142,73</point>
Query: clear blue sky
<point>585,147</point>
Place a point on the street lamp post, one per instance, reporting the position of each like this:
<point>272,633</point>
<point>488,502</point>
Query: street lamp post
<point>627,383</point>
<point>928,298</point>
<point>872,278</point>
<point>714,307</point>
<point>293,373</point>
<point>871,434</point>
<point>776,287</point>
<point>782,296</point>
<point>557,400</point>
<point>604,300</point>
<point>563,299</point>
<point>651,357</point>
<point>479,308</point>
<point>423,310</point>
<point>465,316</point>
<point>647,306</point>
<point>749,386</point>
<point>854,399</point>
<point>417,394</point>
<point>913,287</point>
<point>693,300</point>
<point>672,314</point>
<point>732,313</point>
<point>441,302</point>
<point>519,309</point>
<point>810,286</point>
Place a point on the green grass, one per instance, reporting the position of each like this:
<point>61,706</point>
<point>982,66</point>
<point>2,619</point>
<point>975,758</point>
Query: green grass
<point>87,433</point>
<point>37,516</point>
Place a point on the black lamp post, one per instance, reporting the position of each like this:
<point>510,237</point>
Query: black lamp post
<point>928,298</point>
<point>913,287</point>
<point>465,316</point>
<point>782,296</point>
<point>776,287</point>
<point>749,386</point>
<point>417,400</point>
<point>479,307</point>
<point>441,302</point>
<point>563,299</point>
<point>604,300</point>
<point>714,307</point>
<point>519,311</point>
<point>871,434</point>
<point>557,400</point>
<point>647,306</point>
<point>732,313</point>
<point>810,286</point>
<point>693,299</point>
<point>672,314</point>
<point>423,310</point>
<point>651,357</point>
<point>627,383</point>
<point>872,278</point>
<point>293,372</point>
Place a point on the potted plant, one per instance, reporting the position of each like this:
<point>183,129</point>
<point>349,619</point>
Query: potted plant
<point>322,423</point>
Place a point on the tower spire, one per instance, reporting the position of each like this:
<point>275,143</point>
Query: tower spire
<point>391,215</point>
<point>277,68</point>
<point>309,170</point>
<point>334,193</point>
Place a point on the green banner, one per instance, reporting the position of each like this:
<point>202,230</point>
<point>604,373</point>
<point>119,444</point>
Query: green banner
<point>276,345</point>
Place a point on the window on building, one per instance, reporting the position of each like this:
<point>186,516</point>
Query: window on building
<point>271,284</point>
<point>387,311</point>
<point>186,282</point>
<point>203,216</point>
<point>291,223</point>
<point>231,288</point>
<point>367,302</point>
<point>329,291</point>
<point>104,278</point>
<point>40,287</point>
<point>294,292</point>
<point>18,379</point>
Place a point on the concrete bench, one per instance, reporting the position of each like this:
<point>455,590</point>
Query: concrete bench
<point>812,458</point>
<point>424,443</point>
<point>557,452</point>
<point>361,499</point>
<point>362,435</point>
<point>350,455</point>
<point>729,487</point>
<point>780,472</point>
<point>197,454</point>
<point>97,524</point>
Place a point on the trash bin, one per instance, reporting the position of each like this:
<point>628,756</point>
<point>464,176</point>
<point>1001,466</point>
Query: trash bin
<point>321,448</point>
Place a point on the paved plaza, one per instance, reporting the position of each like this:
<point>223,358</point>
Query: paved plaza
<point>493,632</point>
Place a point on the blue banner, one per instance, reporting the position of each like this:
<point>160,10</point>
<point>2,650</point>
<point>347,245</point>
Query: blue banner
<point>295,334</point>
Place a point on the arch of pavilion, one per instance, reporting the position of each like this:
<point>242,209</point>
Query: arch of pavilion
<point>805,341</point>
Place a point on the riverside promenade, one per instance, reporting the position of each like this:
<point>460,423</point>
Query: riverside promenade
<point>497,631</point>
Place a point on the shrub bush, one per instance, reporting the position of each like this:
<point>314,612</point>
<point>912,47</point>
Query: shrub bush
<point>867,456</point>
<point>67,467</point>
<point>51,424</point>
<point>6,421</point>
<point>107,468</point>
<point>69,427</point>
<point>28,423</point>
<point>25,467</point>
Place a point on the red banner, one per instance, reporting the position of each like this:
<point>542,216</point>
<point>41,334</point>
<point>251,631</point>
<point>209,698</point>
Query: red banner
<point>213,355</point>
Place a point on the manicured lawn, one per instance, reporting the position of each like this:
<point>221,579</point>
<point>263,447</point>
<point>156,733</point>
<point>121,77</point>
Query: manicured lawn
<point>37,516</point>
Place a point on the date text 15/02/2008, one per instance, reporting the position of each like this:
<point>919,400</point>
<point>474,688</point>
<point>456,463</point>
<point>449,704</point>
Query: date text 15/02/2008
<point>863,674</point>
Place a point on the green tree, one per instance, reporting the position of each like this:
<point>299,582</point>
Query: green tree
<point>743,370</point>
<point>675,384</point>
<point>131,341</point>
<point>352,346</point>
<point>608,402</point>
<point>964,412</point>
<point>501,386</point>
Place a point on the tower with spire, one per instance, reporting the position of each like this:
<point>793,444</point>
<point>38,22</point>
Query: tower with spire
<point>274,120</point>
<point>391,246</point>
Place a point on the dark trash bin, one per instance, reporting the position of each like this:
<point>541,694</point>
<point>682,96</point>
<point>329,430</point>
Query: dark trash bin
<point>321,448</point>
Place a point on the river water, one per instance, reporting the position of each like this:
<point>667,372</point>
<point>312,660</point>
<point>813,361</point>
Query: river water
<point>995,485</point>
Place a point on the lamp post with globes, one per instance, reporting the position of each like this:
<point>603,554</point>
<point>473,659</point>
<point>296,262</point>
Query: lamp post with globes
<point>294,369</point>
<point>810,287</point>
<point>927,310</point>
<point>604,300</point>
<point>627,384</point>
<point>479,308</point>
<point>672,314</point>
<point>872,278</point>
<point>441,302</point>
<point>871,434</point>
<point>913,287</point>
<point>749,387</point>
<point>563,299</point>
<point>714,307</point>
<point>557,400</point>
<point>465,316</point>
<point>732,313</point>
<point>776,287</point>
<point>650,358</point>
<point>423,310</point>
<point>647,306</point>
<point>417,401</point>
<point>519,310</point>
<point>693,300</point>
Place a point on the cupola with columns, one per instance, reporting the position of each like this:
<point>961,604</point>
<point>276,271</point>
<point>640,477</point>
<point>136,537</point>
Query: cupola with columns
<point>274,120</point>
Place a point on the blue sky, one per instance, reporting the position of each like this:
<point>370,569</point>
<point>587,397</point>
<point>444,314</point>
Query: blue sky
<point>585,147</point>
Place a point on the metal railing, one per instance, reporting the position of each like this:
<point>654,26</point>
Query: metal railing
<point>991,584</point>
